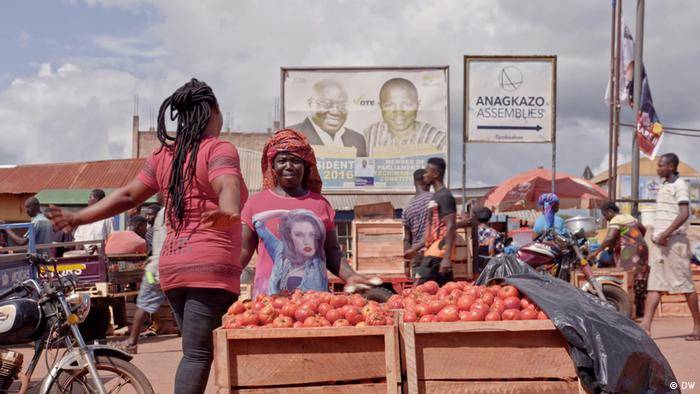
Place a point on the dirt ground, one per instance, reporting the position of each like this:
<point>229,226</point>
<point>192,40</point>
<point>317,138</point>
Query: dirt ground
<point>158,357</point>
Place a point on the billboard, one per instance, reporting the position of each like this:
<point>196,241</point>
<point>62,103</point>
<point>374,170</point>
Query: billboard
<point>510,98</point>
<point>371,128</point>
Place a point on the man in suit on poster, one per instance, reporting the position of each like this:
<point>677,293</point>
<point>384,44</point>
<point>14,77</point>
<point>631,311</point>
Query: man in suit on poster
<point>328,112</point>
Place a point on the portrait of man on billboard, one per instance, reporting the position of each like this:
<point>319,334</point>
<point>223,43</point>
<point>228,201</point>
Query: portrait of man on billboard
<point>327,115</point>
<point>399,103</point>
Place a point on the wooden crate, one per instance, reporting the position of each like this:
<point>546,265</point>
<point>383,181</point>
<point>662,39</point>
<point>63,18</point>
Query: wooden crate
<point>307,360</point>
<point>378,247</point>
<point>675,304</point>
<point>486,357</point>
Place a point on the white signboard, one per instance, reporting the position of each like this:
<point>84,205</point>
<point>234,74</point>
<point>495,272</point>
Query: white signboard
<point>510,99</point>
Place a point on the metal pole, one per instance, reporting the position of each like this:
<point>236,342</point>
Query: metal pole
<point>464,175</point>
<point>616,98</point>
<point>613,93</point>
<point>638,64</point>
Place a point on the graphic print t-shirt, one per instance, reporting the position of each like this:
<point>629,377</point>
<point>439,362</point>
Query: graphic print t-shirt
<point>441,205</point>
<point>291,234</point>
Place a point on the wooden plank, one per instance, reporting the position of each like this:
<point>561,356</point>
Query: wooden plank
<point>222,377</point>
<point>485,326</point>
<point>378,388</point>
<point>276,333</point>
<point>492,387</point>
<point>409,353</point>
<point>260,362</point>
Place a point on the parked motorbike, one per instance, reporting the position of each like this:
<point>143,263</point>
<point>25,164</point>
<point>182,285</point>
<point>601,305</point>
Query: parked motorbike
<point>47,311</point>
<point>560,255</point>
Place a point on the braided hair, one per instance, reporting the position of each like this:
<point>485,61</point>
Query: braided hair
<point>191,107</point>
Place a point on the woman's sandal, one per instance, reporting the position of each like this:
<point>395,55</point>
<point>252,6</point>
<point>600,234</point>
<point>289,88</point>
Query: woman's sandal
<point>125,346</point>
<point>692,337</point>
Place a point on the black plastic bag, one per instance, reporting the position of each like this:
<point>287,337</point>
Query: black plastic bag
<point>502,266</point>
<point>612,354</point>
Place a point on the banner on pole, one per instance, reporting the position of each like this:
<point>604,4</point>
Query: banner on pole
<point>370,128</point>
<point>510,98</point>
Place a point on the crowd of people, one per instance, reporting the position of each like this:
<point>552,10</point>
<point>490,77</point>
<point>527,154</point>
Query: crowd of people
<point>208,228</point>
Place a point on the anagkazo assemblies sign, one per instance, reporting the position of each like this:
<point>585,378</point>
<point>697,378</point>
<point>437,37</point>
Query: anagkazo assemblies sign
<point>510,99</point>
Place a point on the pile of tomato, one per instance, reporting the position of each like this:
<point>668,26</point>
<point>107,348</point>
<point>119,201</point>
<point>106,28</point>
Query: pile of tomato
<point>308,309</point>
<point>463,301</point>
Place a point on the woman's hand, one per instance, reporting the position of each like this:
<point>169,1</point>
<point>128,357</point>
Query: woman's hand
<point>219,219</point>
<point>62,220</point>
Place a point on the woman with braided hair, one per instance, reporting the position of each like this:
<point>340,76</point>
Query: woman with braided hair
<point>200,178</point>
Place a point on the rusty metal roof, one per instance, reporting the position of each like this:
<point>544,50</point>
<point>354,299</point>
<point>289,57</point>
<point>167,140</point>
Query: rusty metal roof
<point>33,178</point>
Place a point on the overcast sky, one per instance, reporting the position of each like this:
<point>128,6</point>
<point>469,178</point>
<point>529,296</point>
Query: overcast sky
<point>70,69</point>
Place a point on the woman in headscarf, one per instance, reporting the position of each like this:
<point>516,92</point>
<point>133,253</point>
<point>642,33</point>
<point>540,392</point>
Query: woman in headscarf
<point>200,178</point>
<point>626,238</point>
<point>291,224</point>
<point>549,202</point>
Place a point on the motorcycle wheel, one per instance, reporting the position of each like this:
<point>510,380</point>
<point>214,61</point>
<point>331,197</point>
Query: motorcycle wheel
<point>115,374</point>
<point>618,299</point>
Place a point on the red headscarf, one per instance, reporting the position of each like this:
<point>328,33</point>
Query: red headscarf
<point>294,142</point>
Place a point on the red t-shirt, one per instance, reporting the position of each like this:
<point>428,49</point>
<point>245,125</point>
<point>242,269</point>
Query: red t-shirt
<point>196,257</point>
<point>125,242</point>
<point>270,209</point>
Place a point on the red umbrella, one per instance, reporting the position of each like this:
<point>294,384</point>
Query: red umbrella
<point>522,191</point>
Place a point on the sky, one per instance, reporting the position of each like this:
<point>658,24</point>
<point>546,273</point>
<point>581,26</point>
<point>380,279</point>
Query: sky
<point>71,69</point>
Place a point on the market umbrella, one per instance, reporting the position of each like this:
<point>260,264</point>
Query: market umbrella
<point>522,191</point>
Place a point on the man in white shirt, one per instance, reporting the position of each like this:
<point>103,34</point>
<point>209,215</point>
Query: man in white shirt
<point>96,231</point>
<point>669,255</point>
<point>328,112</point>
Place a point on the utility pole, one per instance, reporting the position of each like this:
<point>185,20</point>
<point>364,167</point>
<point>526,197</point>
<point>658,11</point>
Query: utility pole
<point>638,66</point>
<point>615,99</point>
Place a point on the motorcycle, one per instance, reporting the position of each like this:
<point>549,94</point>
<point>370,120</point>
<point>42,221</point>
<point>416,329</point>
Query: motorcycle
<point>560,255</point>
<point>47,311</point>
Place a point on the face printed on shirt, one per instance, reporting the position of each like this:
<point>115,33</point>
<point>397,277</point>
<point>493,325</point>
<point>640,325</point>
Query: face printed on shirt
<point>304,238</point>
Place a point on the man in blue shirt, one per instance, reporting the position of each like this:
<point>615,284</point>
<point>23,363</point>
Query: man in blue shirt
<point>549,218</point>
<point>43,230</point>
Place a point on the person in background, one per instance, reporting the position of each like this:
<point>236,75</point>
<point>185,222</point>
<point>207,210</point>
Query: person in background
<point>441,230</point>
<point>97,231</point>
<point>291,224</point>
<point>669,256</point>
<point>150,213</point>
<point>626,238</point>
<point>415,217</point>
<point>200,177</point>
<point>130,241</point>
<point>150,296</point>
<point>488,238</point>
<point>549,202</point>
<point>43,231</point>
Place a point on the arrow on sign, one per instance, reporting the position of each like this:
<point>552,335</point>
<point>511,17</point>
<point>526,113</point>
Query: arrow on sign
<point>536,128</point>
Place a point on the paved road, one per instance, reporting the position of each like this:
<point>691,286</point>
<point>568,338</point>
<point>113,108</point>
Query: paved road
<point>158,357</point>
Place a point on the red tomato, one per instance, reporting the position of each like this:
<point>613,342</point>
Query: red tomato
<point>249,318</point>
<point>498,307</point>
<point>462,284</point>
<point>409,316</point>
<point>283,322</point>
<point>324,308</point>
<point>258,305</point>
<point>463,315</point>
<point>511,314</point>
<point>289,309</point>
<point>472,291</point>
<point>426,319</point>
<point>267,315</point>
<point>495,288</point>
<point>341,323</point>
<point>353,315</point>
<point>430,287</point>
<point>493,316</point>
<point>280,302</point>
<point>525,303</point>
<point>456,293</point>
<point>409,302</point>
<point>512,303</point>
<point>475,316</point>
<point>361,323</point>
<point>389,321</point>
<point>334,315</point>
<point>508,291</point>
<point>542,316</point>
<point>488,298</point>
<point>311,305</point>
<point>395,302</point>
<point>442,293</point>
<point>326,297</point>
<point>423,309</point>
<point>375,319</point>
<point>436,306</point>
<point>303,312</point>
<point>236,308</point>
<point>528,314</point>
<point>480,307</point>
<point>449,313</point>
<point>358,300</point>
<point>449,286</point>
<point>406,292</point>
<point>338,300</point>
<point>324,322</point>
<point>297,324</point>
<point>312,321</point>
<point>464,302</point>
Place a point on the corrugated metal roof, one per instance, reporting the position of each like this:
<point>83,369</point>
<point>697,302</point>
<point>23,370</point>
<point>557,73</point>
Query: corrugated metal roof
<point>84,175</point>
